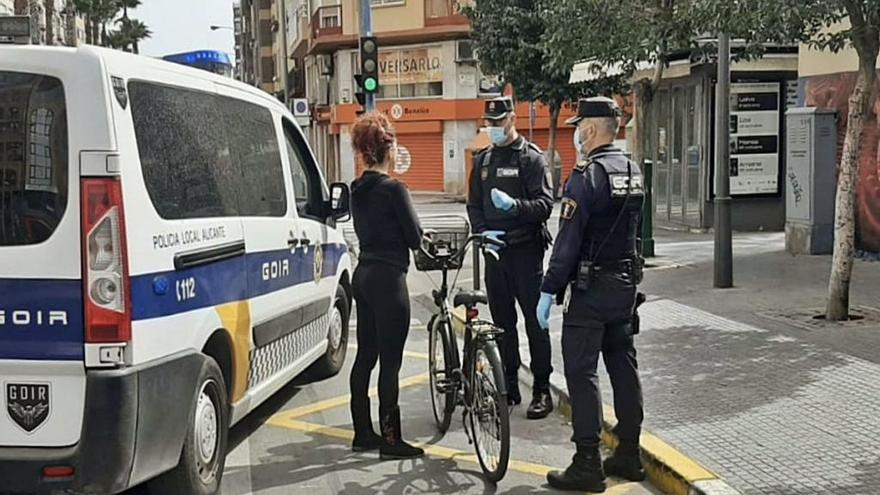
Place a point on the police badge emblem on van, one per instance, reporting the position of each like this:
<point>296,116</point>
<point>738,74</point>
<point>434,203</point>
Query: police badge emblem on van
<point>28,404</point>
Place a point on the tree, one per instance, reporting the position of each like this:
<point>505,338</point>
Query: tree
<point>863,35</point>
<point>133,32</point>
<point>639,37</point>
<point>127,4</point>
<point>509,38</point>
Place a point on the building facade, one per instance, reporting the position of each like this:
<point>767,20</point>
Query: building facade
<point>257,40</point>
<point>430,83</point>
<point>826,81</point>
<point>53,22</point>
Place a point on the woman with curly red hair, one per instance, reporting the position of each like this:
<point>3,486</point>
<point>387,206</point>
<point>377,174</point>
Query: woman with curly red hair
<point>387,228</point>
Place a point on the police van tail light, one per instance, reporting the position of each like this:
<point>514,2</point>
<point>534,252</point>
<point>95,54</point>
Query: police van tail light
<point>105,266</point>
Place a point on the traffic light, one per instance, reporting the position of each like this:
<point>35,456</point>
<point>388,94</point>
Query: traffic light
<point>369,64</point>
<point>359,95</point>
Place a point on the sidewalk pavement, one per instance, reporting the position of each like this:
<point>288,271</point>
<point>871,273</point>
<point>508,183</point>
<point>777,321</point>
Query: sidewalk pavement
<point>744,382</point>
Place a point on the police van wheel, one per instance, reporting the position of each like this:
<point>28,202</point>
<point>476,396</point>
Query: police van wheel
<point>337,339</point>
<point>204,448</point>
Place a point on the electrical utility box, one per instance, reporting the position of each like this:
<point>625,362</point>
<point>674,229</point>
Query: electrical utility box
<point>811,180</point>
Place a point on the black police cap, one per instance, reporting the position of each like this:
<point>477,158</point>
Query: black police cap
<point>498,108</point>
<point>598,106</point>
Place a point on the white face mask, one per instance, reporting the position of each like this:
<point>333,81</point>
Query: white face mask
<point>497,135</point>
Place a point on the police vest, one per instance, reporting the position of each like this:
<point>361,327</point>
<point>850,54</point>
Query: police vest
<point>507,176</point>
<point>612,233</point>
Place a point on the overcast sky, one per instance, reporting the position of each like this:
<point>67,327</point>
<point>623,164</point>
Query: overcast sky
<point>185,25</point>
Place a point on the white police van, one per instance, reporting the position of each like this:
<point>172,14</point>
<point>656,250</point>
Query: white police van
<point>168,260</point>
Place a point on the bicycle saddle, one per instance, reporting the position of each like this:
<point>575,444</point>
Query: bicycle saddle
<point>470,298</point>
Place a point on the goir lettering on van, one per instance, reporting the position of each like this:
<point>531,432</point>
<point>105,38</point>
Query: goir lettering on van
<point>24,318</point>
<point>276,269</point>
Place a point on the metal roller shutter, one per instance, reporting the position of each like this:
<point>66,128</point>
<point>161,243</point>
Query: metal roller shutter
<point>564,147</point>
<point>426,173</point>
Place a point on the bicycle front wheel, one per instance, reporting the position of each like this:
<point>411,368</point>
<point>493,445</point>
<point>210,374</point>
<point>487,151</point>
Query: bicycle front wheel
<point>490,418</point>
<point>440,374</point>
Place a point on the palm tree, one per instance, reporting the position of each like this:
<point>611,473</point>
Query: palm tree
<point>118,40</point>
<point>105,12</point>
<point>134,31</point>
<point>127,4</point>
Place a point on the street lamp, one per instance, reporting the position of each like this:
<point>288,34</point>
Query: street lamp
<point>215,28</point>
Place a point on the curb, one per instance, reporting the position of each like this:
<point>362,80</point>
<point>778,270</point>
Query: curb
<point>668,469</point>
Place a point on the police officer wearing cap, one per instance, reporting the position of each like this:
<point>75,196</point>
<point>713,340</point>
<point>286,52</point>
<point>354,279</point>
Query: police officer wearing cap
<point>510,199</point>
<point>594,270</point>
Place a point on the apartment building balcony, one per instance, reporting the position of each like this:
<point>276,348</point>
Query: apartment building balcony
<point>327,21</point>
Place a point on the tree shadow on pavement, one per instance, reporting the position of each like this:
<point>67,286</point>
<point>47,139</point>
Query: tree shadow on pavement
<point>324,463</point>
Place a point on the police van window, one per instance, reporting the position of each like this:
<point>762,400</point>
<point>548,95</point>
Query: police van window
<point>206,156</point>
<point>307,186</point>
<point>33,157</point>
<point>252,138</point>
<point>188,165</point>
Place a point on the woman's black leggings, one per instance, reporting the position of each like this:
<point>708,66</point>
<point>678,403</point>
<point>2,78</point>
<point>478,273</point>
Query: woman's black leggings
<point>383,315</point>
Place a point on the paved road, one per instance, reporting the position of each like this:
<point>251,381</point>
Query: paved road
<point>299,443</point>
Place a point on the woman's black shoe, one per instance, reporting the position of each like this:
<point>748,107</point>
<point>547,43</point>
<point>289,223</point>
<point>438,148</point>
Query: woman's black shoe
<point>393,447</point>
<point>366,442</point>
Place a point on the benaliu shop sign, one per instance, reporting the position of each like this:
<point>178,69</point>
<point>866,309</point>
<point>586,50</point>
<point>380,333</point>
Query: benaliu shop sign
<point>411,66</point>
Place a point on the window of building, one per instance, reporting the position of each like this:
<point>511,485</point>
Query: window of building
<point>386,3</point>
<point>204,155</point>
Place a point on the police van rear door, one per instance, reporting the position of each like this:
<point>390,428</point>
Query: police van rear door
<point>46,98</point>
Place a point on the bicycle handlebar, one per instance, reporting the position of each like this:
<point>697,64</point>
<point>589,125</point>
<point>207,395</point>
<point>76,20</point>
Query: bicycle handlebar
<point>480,240</point>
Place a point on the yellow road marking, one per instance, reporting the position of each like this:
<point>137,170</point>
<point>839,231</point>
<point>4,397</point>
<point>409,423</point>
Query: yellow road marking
<point>342,400</point>
<point>285,421</point>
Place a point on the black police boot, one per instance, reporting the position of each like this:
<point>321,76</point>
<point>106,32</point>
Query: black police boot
<point>584,473</point>
<point>393,447</point>
<point>626,462</point>
<point>541,406</point>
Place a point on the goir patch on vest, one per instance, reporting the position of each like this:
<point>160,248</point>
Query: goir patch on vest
<point>507,173</point>
<point>623,184</point>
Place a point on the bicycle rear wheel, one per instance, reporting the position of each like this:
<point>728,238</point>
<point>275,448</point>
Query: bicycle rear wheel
<point>440,373</point>
<point>490,418</point>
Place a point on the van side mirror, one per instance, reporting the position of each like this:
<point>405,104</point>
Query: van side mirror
<point>340,201</point>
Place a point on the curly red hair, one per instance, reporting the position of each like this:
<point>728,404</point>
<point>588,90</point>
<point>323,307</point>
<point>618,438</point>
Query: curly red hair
<point>373,136</point>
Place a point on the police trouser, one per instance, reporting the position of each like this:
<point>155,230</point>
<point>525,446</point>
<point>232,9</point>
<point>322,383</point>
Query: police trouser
<point>600,320</point>
<point>517,277</point>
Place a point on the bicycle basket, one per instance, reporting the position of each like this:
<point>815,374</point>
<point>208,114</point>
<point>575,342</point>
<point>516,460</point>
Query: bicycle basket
<point>450,233</point>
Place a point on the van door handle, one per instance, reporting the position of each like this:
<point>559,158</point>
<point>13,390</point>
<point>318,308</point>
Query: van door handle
<point>293,243</point>
<point>305,242</point>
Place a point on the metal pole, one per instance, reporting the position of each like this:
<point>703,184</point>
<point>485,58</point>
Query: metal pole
<point>367,30</point>
<point>477,254</point>
<point>723,235</point>
<point>648,211</point>
<point>284,56</point>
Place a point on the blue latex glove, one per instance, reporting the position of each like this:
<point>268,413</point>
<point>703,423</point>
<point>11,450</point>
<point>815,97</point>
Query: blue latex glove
<point>544,305</point>
<point>495,235</point>
<point>502,200</point>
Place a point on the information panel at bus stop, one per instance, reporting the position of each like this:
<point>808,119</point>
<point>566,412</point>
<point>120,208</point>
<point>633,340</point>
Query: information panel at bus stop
<point>754,138</point>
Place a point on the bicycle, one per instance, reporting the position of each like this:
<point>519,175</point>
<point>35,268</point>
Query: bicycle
<point>477,382</point>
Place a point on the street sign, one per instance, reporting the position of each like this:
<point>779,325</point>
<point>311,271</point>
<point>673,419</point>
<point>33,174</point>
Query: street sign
<point>15,29</point>
<point>404,160</point>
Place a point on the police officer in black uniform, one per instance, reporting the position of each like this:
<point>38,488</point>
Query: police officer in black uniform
<point>510,199</point>
<point>594,270</point>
